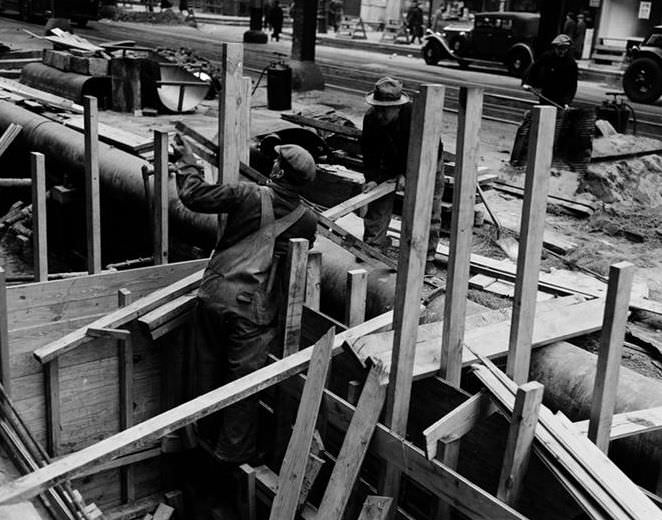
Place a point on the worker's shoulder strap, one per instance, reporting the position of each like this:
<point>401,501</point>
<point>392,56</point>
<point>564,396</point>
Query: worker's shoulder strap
<point>283,223</point>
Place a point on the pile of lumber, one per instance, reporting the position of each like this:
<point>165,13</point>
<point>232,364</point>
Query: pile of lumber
<point>12,62</point>
<point>77,61</point>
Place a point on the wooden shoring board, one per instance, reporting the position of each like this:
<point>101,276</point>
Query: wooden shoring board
<point>176,418</point>
<point>355,445</point>
<point>358,201</point>
<point>627,424</point>
<point>586,463</point>
<point>347,131</point>
<point>118,137</point>
<point>376,508</point>
<point>490,341</point>
<point>8,136</point>
<point>38,95</point>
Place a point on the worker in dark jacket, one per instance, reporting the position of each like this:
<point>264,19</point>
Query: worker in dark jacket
<point>243,286</point>
<point>276,20</point>
<point>384,145</point>
<point>555,73</point>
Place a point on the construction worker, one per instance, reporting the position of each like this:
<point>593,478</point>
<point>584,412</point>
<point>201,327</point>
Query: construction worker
<point>242,287</point>
<point>384,145</point>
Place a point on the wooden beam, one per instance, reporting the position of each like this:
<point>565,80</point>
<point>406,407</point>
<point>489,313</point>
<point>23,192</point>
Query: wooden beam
<point>627,424</point>
<point>293,468</point>
<point>359,201</point>
<point>464,196</point>
<point>39,230</point>
<point>92,202</point>
<point>356,294</point>
<point>313,280</point>
<point>53,415</point>
<point>5,371</point>
<point>245,120</point>
<point>125,369</point>
<point>156,427</point>
<point>119,317</point>
<point>8,136</point>
<point>424,137</point>
<point>531,235</point>
<point>355,445</point>
<point>611,351</point>
<point>161,198</point>
<point>348,131</point>
<point>457,423</point>
<point>376,508</point>
<point>295,269</point>
<point>230,112</point>
<point>247,499</point>
<point>520,440</point>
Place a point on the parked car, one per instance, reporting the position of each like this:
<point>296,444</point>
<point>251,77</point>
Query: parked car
<point>642,81</point>
<point>505,37</point>
<point>81,10</point>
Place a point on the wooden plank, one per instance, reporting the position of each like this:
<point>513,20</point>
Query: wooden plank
<point>359,201</point>
<point>424,137</point>
<point>53,415</point>
<point>92,201</point>
<point>580,208</point>
<point>39,230</point>
<point>174,419</point>
<point>530,248</point>
<point>295,269</point>
<point>38,95</point>
<point>613,489</point>
<point>290,479</point>
<point>229,121</point>
<point>629,423</point>
<point>454,425</point>
<point>464,195</point>
<point>376,508</point>
<point>117,137</point>
<point>323,125</point>
<point>125,373</point>
<point>313,466</point>
<point>168,311</point>
<point>313,280</point>
<point>120,317</point>
<point>248,498</point>
<point>245,120</point>
<point>356,294</point>
<point>355,444</point>
<point>8,136</point>
<point>520,441</point>
<point>161,231</point>
<point>163,512</point>
<point>611,351</point>
<point>5,368</point>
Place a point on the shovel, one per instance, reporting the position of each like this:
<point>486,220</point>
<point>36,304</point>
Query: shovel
<point>508,245</point>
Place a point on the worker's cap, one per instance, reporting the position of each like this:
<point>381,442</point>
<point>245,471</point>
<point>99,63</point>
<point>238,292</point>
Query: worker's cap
<point>387,93</point>
<point>297,163</point>
<point>562,40</point>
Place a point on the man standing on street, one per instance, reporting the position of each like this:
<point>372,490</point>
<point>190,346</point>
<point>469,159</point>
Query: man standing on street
<point>276,20</point>
<point>384,145</point>
<point>415,22</point>
<point>243,286</point>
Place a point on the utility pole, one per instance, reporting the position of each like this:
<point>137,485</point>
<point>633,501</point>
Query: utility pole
<point>306,75</point>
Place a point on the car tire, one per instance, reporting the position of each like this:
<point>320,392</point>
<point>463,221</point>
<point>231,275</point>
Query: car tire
<point>518,62</point>
<point>642,81</point>
<point>431,52</point>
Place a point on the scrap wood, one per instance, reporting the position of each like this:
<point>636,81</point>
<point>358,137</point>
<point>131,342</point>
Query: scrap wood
<point>627,424</point>
<point>8,136</point>
<point>555,324</point>
<point>589,466</point>
<point>577,207</point>
<point>652,341</point>
<point>39,95</point>
<point>358,201</point>
<point>69,466</point>
<point>66,39</point>
<point>348,131</point>
<point>376,508</point>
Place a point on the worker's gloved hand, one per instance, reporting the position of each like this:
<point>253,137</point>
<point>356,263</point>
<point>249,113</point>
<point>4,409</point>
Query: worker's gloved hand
<point>369,186</point>
<point>566,107</point>
<point>183,155</point>
<point>525,86</point>
<point>400,183</point>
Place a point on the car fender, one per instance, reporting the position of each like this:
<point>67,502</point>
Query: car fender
<point>649,52</point>
<point>519,46</point>
<point>446,52</point>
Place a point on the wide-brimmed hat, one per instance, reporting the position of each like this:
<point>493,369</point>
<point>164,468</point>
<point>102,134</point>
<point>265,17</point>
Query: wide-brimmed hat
<point>387,93</point>
<point>562,40</point>
<point>299,164</point>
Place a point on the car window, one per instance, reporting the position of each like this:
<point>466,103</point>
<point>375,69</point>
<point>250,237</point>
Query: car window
<point>654,40</point>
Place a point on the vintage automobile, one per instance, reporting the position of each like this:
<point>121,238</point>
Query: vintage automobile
<point>81,10</point>
<point>505,37</point>
<point>642,81</point>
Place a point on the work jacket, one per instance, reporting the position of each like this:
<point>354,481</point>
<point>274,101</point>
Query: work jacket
<point>555,76</point>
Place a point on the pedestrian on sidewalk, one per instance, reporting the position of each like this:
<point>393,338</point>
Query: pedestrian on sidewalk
<point>335,14</point>
<point>570,25</point>
<point>243,286</point>
<point>438,22</point>
<point>415,22</point>
<point>266,11</point>
<point>276,20</point>
<point>384,145</point>
<point>580,35</point>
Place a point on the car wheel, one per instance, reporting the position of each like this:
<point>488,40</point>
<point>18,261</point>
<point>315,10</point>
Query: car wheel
<point>518,62</point>
<point>642,81</point>
<point>431,52</point>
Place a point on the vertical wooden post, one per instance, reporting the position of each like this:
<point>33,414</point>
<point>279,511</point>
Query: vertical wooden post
<point>534,208</point>
<point>611,349</point>
<point>53,416</point>
<point>424,139</point>
<point>125,368</point>
<point>230,112</point>
<point>245,121</point>
<point>455,307</point>
<point>161,177</point>
<point>314,279</point>
<point>4,335</point>
<point>355,299</point>
<point>464,196</point>
<point>520,440</point>
<point>297,257</point>
<point>92,204</point>
<point>39,230</point>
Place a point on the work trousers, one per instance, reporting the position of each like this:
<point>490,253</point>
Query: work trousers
<point>229,346</point>
<point>378,217</point>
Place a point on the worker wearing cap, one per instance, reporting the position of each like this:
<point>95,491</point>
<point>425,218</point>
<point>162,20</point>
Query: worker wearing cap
<point>384,145</point>
<point>242,287</point>
<point>555,73</point>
